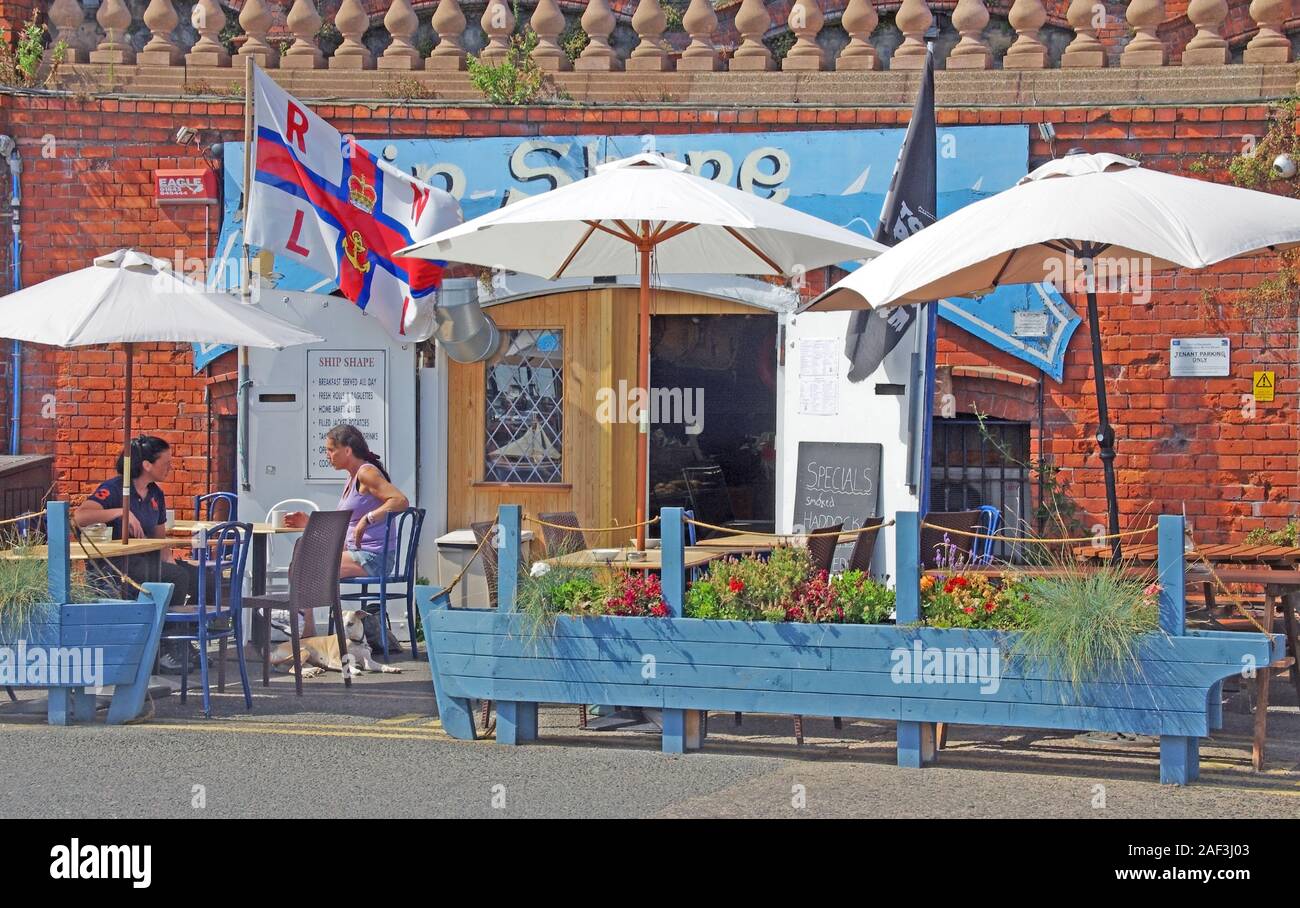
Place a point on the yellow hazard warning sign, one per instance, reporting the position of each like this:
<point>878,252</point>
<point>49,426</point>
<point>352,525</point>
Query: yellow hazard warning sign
<point>1265,385</point>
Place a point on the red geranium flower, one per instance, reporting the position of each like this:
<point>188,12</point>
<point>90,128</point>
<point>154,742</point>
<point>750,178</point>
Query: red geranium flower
<point>735,584</point>
<point>970,610</point>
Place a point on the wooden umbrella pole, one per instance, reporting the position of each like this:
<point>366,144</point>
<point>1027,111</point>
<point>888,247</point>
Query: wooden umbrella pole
<point>126,447</point>
<point>643,382</point>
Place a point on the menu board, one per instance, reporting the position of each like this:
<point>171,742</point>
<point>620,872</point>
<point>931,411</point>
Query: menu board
<point>837,482</point>
<point>345,386</point>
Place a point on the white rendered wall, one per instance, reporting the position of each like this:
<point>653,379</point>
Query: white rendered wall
<point>278,436</point>
<point>862,416</point>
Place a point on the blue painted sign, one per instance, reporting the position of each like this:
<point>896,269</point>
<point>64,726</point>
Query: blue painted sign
<point>838,175</point>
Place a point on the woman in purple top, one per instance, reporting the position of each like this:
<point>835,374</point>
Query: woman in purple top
<point>369,495</point>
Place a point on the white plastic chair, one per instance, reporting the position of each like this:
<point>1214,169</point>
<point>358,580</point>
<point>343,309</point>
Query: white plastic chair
<point>276,573</point>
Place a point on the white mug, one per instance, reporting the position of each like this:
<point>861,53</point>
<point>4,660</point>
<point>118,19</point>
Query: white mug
<point>277,519</point>
<point>170,520</point>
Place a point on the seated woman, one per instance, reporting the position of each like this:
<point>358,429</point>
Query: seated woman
<point>151,463</point>
<point>370,496</point>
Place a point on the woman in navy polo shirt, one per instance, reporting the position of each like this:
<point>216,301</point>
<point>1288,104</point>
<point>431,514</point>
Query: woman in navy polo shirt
<point>151,463</point>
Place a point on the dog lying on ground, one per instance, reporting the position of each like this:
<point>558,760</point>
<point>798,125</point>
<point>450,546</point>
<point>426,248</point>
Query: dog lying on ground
<point>321,654</point>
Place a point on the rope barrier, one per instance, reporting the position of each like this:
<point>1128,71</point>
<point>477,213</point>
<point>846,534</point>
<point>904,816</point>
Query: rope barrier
<point>564,526</point>
<point>1032,539</point>
<point>21,518</point>
<point>1232,597</point>
<point>468,564</point>
<point>814,534</point>
<point>100,556</point>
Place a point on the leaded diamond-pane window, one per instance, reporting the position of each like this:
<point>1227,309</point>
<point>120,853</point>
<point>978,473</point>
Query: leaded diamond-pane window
<point>525,408</point>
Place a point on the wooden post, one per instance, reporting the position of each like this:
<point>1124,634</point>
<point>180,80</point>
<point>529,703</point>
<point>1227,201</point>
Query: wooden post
<point>1179,754</point>
<point>907,567</point>
<point>516,720</point>
<point>915,739</point>
<point>59,567</point>
<point>1173,579</point>
<point>673,555</point>
<point>682,727</point>
<point>507,542</point>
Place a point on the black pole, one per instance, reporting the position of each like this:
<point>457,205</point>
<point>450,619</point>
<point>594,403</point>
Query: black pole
<point>1105,433</point>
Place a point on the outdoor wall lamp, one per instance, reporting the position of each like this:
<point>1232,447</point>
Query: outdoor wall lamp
<point>1284,166</point>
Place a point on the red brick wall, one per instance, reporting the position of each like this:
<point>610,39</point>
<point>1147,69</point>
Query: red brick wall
<point>13,13</point>
<point>1179,440</point>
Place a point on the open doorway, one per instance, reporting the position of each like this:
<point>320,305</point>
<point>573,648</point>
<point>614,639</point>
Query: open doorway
<point>714,378</point>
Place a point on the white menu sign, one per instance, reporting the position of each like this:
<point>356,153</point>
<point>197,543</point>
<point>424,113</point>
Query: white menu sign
<point>819,381</point>
<point>345,386</point>
<point>1199,356</point>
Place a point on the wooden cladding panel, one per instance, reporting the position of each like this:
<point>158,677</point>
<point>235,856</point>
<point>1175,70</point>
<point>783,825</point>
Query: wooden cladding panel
<point>599,328</point>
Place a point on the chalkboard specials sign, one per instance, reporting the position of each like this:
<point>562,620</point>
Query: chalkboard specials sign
<point>837,482</point>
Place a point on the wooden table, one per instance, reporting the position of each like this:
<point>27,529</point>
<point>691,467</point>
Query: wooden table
<point>88,551</point>
<point>762,542</point>
<point>653,561</point>
<point>261,532</point>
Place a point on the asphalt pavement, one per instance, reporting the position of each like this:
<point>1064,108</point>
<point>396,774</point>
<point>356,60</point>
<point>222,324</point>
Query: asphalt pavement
<point>378,750</point>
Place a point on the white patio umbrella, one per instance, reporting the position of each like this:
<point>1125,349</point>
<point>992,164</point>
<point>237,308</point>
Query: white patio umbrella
<point>129,297</point>
<point>612,222</point>
<point>1081,214</point>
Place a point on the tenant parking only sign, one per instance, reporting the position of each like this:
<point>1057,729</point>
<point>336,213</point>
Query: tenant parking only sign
<point>1204,357</point>
<point>345,386</point>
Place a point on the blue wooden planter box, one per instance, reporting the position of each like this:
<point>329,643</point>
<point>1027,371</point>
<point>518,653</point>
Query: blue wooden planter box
<point>914,675</point>
<point>112,642</point>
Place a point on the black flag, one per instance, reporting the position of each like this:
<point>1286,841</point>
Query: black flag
<point>909,206</point>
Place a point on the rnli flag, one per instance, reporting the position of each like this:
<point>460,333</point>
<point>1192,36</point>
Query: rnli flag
<point>322,200</point>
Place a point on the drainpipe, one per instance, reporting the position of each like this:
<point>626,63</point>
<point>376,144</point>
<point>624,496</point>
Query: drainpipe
<point>9,151</point>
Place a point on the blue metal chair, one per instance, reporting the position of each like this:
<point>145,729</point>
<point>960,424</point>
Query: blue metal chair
<point>401,541</point>
<point>983,548</point>
<point>220,597</point>
<point>204,505</point>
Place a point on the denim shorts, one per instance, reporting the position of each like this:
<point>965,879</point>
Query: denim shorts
<point>370,561</point>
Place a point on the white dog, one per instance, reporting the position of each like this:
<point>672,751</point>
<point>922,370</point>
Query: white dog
<point>321,654</point>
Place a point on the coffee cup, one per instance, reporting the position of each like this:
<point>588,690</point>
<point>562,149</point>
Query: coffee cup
<point>170,520</point>
<point>277,519</point>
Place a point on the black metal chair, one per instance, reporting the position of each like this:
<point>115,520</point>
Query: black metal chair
<point>706,487</point>
<point>313,582</point>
